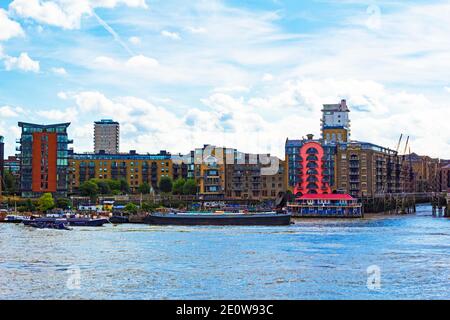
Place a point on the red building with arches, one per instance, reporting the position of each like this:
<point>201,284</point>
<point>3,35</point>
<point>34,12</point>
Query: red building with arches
<point>313,177</point>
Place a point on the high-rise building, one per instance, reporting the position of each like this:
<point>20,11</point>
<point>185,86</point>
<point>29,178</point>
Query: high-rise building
<point>106,136</point>
<point>43,159</point>
<point>336,122</point>
<point>310,166</point>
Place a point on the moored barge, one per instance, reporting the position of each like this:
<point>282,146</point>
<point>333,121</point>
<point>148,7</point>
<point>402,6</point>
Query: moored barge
<point>73,222</point>
<point>219,219</point>
<point>326,206</point>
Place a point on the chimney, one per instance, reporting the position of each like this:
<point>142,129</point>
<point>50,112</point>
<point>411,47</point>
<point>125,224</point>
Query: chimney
<point>310,136</point>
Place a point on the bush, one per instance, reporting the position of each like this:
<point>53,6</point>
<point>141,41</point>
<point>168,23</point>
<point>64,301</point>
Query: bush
<point>131,208</point>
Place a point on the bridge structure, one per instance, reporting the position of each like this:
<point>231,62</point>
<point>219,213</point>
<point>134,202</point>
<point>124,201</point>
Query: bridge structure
<point>404,203</point>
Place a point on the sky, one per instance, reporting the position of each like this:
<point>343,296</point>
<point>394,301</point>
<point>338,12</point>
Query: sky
<point>243,74</point>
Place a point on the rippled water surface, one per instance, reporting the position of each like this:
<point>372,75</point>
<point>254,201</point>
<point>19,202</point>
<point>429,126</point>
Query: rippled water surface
<point>313,259</point>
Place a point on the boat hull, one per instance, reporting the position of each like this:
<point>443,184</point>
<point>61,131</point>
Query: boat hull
<point>219,219</point>
<point>119,220</point>
<point>73,222</point>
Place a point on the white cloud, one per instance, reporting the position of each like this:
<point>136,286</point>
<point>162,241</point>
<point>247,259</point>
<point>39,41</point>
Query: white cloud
<point>135,40</point>
<point>10,112</point>
<point>106,62</point>
<point>141,63</point>
<point>62,95</point>
<point>171,35</point>
<point>267,77</point>
<point>196,30</point>
<point>63,13</point>
<point>59,71</point>
<point>23,62</point>
<point>231,89</point>
<point>8,28</point>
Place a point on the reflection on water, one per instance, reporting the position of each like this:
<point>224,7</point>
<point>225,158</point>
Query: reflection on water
<point>313,259</point>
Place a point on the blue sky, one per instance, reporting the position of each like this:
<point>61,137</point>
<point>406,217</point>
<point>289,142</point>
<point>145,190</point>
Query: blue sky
<point>244,74</point>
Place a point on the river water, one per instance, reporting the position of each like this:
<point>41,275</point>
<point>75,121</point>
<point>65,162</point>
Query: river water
<point>405,257</point>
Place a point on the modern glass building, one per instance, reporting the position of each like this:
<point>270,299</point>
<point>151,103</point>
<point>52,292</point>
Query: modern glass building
<point>43,159</point>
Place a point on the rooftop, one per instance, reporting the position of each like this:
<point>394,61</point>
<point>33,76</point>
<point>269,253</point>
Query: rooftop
<point>106,121</point>
<point>326,197</point>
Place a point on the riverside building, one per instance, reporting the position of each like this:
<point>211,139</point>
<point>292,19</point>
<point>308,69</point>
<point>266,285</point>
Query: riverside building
<point>132,167</point>
<point>337,164</point>
<point>43,159</point>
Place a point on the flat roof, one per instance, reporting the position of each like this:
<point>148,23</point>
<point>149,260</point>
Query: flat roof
<point>22,124</point>
<point>326,197</point>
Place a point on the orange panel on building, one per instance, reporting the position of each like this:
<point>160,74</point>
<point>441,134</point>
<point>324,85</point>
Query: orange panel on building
<point>44,164</point>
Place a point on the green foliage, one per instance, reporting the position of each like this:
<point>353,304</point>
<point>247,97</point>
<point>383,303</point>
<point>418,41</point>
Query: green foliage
<point>46,202</point>
<point>190,187</point>
<point>103,186</point>
<point>149,206</point>
<point>89,189</point>
<point>114,185</point>
<point>178,185</point>
<point>131,208</point>
<point>144,188</point>
<point>124,187</point>
<point>165,184</point>
<point>10,182</point>
<point>63,203</point>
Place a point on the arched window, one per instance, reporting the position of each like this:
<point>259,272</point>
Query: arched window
<point>312,192</point>
<point>312,151</point>
<point>312,165</point>
<point>312,179</point>
<point>312,158</point>
<point>312,171</point>
<point>312,186</point>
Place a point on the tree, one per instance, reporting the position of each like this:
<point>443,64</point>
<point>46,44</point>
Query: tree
<point>124,187</point>
<point>89,189</point>
<point>165,184</point>
<point>144,188</point>
<point>10,182</point>
<point>114,185</point>
<point>190,187</point>
<point>178,185</point>
<point>63,203</point>
<point>103,187</point>
<point>131,208</point>
<point>46,202</point>
<point>29,205</point>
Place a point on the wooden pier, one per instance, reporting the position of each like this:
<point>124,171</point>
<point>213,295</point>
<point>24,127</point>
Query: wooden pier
<point>405,203</point>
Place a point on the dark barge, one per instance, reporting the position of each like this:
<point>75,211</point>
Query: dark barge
<point>73,222</point>
<point>222,219</point>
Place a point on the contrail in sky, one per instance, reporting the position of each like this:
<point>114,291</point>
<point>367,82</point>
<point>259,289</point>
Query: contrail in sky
<point>113,33</point>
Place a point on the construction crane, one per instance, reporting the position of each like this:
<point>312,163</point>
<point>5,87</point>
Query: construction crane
<point>399,142</point>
